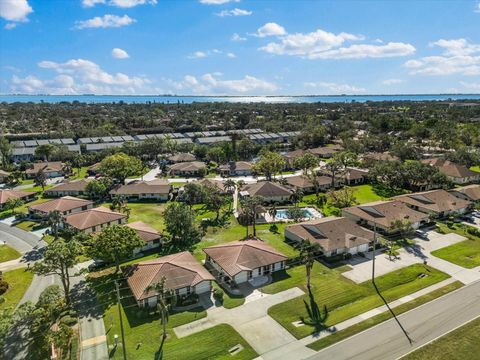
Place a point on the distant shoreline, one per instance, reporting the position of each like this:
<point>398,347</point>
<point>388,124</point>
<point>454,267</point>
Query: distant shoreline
<point>244,96</point>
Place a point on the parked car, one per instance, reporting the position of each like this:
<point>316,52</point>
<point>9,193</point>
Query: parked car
<point>96,265</point>
<point>468,218</point>
<point>421,234</point>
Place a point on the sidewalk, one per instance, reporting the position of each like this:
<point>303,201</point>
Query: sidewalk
<point>12,264</point>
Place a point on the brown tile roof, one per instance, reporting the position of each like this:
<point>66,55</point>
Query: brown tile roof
<point>266,189</point>
<point>188,166</point>
<point>180,270</point>
<point>45,167</point>
<point>385,212</point>
<point>182,157</point>
<point>237,165</point>
<point>62,204</point>
<point>157,186</point>
<point>350,174</point>
<point>295,154</point>
<point>325,150</point>
<point>385,156</point>
<point>302,182</point>
<point>8,194</point>
<point>471,191</point>
<point>214,183</point>
<point>332,233</point>
<point>450,168</point>
<point>75,185</point>
<point>238,256</point>
<point>434,200</point>
<point>93,217</point>
<point>145,231</point>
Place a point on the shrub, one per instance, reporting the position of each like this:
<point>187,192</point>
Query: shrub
<point>218,295</point>
<point>473,231</point>
<point>3,287</point>
<point>68,320</point>
<point>273,228</point>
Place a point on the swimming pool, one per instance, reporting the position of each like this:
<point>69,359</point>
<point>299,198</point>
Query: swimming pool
<point>282,214</point>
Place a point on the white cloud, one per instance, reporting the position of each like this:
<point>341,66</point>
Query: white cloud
<point>236,37</point>
<point>213,85</point>
<point>234,12</point>
<point>118,53</point>
<point>231,55</point>
<point>458,57</point>
<point>79,76</point>
<point>334,88</point>
<point>470,86</point>
<point>118,3</point>
<point>217,2</point>
<point>322,44</point>
<point>477,8</point>
<point>197,55</point>
<point>14,11</point>
<point>204,53</point>
<point>10,26</point>
<point>105,21</point>
<point>392,81</point>
<point>270,29</point>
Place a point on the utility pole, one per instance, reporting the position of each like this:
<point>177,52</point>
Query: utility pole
<point>121,320</point>
<point>374,248</point>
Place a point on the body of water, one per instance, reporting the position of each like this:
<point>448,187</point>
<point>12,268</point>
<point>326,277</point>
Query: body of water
<point>142,99</point>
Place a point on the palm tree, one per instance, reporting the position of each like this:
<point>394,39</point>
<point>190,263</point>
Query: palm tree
<point>296,196</point>
<point>308,254</point>
<point>240,184</point>
<point>273,210</point>
<point>55,219</point>
<point>251,207</point>
<point>13,203</point>
<point>166,299</point>
<point>229,185</point>
<point>118,203</point>
<point>40,179</point>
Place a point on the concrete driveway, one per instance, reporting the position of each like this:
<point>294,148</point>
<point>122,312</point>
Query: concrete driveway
<point>362,267</point>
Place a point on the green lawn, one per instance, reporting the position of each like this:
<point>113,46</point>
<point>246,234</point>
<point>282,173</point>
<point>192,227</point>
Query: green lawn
<point>79,175</point>
<point>462,343</point>
<point>143,330</point>
<point>377,319</point>
<point>149,213</point>
<point>230,301</point>
<point>27,225</point>
<point>365,194</point>
<point>343,298</point>
<point>7,253</point>
<point>18,280</point>
<point>475,168</point>
<point>465,253</point>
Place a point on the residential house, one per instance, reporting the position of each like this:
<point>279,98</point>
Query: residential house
<point>66,205</point>
<point>240,261</point>
<point>457,173</point>
<point>270,191</point>
<point>94,169</point>
<point>469,192</point>
<point>182,272</point>
<point>146,233</point>
<point>156,190</point>
<point>181,157</point>
<point>69,188</point>
<point>381,215</point>
<point>335,235</point>
<point>351,176</point>
<point>51,169</point>
<point>7,194</point>
<point>236,168</point>
<point>291,156</point>
<point>219,185</point>
<point>303,183</point>
<point>94,220</point>
<point>188,168</point>
<point>325,151</point>
<point>372,157</point>
<point>439,202</point>
<point>3,176</point>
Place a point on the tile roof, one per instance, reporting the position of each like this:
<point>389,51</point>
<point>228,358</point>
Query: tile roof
<point>157,186</point>
<point>65,203</point>
<point>471,191</point>
<point>145,231</point>
<point>219,185</point>
<point>266,189</point>
<point>75,185</point>
<point>242,255</point>
<point>303,182</point>
<point>188,166</point>
<point>385,212</point>
<point>182,157</point>
<point>237,165</point>
<point>332,233</point>
<point>93,217</point>
<point>434,200</point>
<point>7,194</point>
<point>45,167</point>
<point>180,270</point>
<point>450,168</point>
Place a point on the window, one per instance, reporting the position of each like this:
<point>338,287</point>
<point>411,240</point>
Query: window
<point>249,274</point>
<point>189,290</point>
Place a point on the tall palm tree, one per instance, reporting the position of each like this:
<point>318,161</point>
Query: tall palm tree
<point>166,299</point>
<point>229,185</point>
<point>296,196</point>
<point>55,219</point>
<point>273,210</point>
<point>251,207</point>
<point>308,254</point>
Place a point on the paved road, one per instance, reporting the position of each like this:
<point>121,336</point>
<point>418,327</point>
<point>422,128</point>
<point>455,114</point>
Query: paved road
<point>23,241</point>
<point>423,324</point>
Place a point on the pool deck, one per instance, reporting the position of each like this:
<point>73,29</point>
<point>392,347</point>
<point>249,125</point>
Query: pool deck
<point>315,214</point>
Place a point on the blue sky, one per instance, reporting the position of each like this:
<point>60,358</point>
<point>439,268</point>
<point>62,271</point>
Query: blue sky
<point>246,47</point>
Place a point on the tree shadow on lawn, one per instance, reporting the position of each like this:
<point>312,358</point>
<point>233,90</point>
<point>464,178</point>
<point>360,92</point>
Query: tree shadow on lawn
<point>386,192</point>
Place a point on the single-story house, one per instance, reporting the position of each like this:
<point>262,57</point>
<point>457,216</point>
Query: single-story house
<point>325,151</point>
<point>303,183</point>
<point>268,190</point>
<point>146,233</point>
<point>457,173</point>
<point>188,168</point>
<point>3,176</point>
<point>7,194</point>
<point>335,235</point>
<point>236,168</point>
<point>158,190</point>
<point>93,169</point>
<point>66,205</point>
<point>69,188</point>
<point>181,157</point>
<point>291,156</point>
<point>469,192</point>
<point>94,220</point>
<point>219,185</point>
<point>240,261</point>
<point>351,176</point>
<point>182,272</point>
<point>379,156</point>
<point>439,202</point>
<point>381,214</point>
<point>51,169</point>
